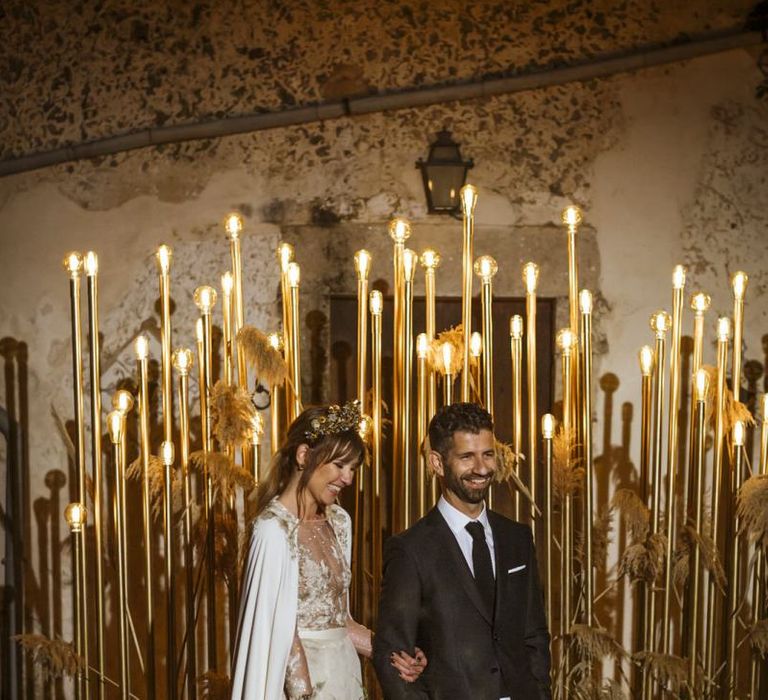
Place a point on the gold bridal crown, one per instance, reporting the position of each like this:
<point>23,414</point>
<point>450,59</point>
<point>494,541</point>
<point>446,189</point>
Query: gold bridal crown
<point>337,419</point>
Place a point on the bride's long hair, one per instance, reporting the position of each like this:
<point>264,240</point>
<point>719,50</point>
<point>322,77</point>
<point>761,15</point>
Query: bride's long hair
<point>346,447</point>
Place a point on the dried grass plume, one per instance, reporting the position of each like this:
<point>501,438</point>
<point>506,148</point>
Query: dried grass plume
<point>268,362</point>
<point>232,413</point>
<point>753,508</point>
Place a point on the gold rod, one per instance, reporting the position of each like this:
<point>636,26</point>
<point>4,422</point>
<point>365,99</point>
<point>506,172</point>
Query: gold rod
<point>376,303</point>
<point>758,577</point>
<point>285,256</point>
<point>585,303</point>
<point>567,539</point>
<point>167,451</point>
<point>516,352</point>
<point>739,284</point>
<point>75,517</point>
<point>410,260</point>
<point>226,310</point>
<point>294,277</point>
<point>548,433</point>
<point>430,260</point>
<point>468,196</point>
<point>530,278</point>
<point>422,400</point>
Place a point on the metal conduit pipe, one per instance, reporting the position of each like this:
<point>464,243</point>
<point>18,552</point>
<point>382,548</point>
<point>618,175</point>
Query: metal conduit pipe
<point>600,68</point>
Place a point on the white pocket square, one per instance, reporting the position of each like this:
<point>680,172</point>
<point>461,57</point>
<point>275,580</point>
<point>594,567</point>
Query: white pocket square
<point>515,569</point>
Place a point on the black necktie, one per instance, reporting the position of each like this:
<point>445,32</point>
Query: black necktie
<point>481,563</point>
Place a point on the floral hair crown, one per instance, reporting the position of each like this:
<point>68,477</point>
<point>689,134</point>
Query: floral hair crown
<point>337,419</point>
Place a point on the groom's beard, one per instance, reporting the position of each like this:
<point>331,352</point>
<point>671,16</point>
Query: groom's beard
<point>463,489</point>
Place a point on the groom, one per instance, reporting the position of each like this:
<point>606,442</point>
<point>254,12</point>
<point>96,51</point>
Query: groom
<point>462,583</point>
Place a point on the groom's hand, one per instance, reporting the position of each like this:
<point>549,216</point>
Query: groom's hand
<point>409,667</point>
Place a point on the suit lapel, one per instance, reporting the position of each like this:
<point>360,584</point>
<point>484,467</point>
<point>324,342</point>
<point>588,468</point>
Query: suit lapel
<point>450,546</point>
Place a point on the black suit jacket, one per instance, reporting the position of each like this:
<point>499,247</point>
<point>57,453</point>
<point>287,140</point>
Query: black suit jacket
<point>429,599</point>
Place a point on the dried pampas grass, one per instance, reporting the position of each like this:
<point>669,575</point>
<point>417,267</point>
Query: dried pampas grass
<point>54,657</point>
<point>226,476</point>
<point>266,361</point>
<point>595,643</point>
<point>507,461</point>
<point>567,475</point>
<point>227,548</point>
<point>670,671</point>
<point>156,473</point>
<point>454,336</point>
<point>753,508</point>
<point>589,689</point>
<point>758,637</point>
<point>642,561</point>
<point>214,686</point>
<point>232,413</point>
<point>634,512</point>
<point>690,538</point>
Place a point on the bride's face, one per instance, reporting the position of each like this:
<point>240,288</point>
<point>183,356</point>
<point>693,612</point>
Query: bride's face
<point>328,480</point>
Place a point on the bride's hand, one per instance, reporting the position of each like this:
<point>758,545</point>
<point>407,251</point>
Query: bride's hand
<point>409,667</point>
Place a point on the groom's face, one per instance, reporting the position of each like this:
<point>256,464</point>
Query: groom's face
<point>468,466</point>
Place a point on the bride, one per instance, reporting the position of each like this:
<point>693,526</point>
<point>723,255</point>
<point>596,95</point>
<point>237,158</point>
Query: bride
<point>296,638</point>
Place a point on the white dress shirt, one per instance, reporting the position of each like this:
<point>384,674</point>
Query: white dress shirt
<point>457,521</point>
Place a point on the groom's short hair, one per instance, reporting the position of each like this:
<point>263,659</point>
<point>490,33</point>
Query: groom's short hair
<point>456,417</point>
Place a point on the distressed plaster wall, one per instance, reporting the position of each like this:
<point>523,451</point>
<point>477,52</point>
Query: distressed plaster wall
<point>669,164</point>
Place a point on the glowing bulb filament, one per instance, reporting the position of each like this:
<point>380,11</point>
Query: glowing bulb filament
<point>167,452</point>
<point>163,257</point>
<point>475,344</point>
<point>646,359</point>
<point>141,347</point>
<point>91,263</point>
<point>422,346</point>
<point>115,426</point>
<point>233,225</point>
<point>430,259</point>
<point>285,255</point>
<point>516,327</point>
<point>294,274</point>
<point>700,302</point>
<point>723,329</point>
<point>701,384</point>
<point>739,282</point>
<point>182,360</point>
<point>447,351</point>
<point>399,230</point>
<point>738,433</point>
<point>362,263</point>
<point>227,283</point>
<point>547,426</point>
<point>376,302</point>
<point>530,277</point>
<point>585,301</point>
<point>678,277</point>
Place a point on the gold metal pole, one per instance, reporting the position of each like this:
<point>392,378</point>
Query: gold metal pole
<point>585,306</point>
<point>678,286</point>
<point>739,284</point>
<point>233,225</point>
<point>422,396</point>
<point>167,453</point>
<point>701,387</point>
<point>73,264</point>
<point>468,196</point>
<point>531,278</point>
<point>376,306</point>
<point>294,278</point>
<point>713,598</point>
<point>476,352</point>
<point>91,265</point>
<point>410,261</point>
<point>734,573</point>
<point>285,256</point>
<point>227,283</point>
<point>75,515</point>
<point>182,361</point>
<point>257,432</point>
<point>548,433</point>
<point>117,434</point>
<point>572,217</point>
<point>277,396</point>
<point>446,350</point>
<point>430,260</point>
<point>516,351</point>
<point>485,269</point>
<point>141,348</point>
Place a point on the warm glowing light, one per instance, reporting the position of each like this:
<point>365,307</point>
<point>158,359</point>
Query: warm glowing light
<point>141,347</point>
<point>446,351</point>
<point>585,301</point>
<point>362,263</point>
<point>199,331</point>
<point>227,283</point>
<point>122,401</point>
<point>738,433</point>
<point>233,225</point>
<point>530,277</point>
<point>376,301</point>
<point>516,326</point>
<point>116,426</point>
<point>73,263</point>
<point>410,260</point>
<point>646,358</point>
<point>399,230</point>
<point>701,384</point>
<point>182,360</point>
<point>205,298</point>
<point>739,284</point>
<point>565,340</point>
<point>430,259</point>
<point>723,329</point>
<point>257,428</point>
<point>365,426</point>
<point>547,426</point>
<point>422,346</point>
<point>163,257</point>
<point>660,322</point>
<point>468,195</point>
<point>571,216</point>
<point>275,340</point>
<point>75,514</point>
<point>294,274</point>
<point>678,277</point>
<point>91,263</point>
<point>167,452</point>
<point>475,344</point>
<point>486,267</point>
<point>700,302</point>
<point>285,256</point>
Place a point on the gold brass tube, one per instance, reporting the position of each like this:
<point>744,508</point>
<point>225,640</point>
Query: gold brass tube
<point>285,256</point>
<point>234,227</point>
<point>294,277</point>
<point>430,260</point>
<point>376,305</point>
<point>739,284</point>
<point>163,257</point>
<point>75,515</point>
<point>547,434</point>
<point>516,352</point>
<point>572,217</point>
<point>91,265</point>
<point>446,352</point>
<point>530,279</point>
<point>468,196</point>
<point>226,310</point>
<point>410,261</point>
<point>678,286</point>
<point>167,454</point>
<point>276,398</point>
<point>585,304</point>
<point>422,390</point>
<point>73,264</point>
<point>485,269</point>
<point>257,432</point>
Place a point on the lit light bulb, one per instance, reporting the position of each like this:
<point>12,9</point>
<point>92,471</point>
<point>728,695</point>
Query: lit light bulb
<point>376,302</point>
<point>739,283</point>
<point>205,298</point>
<point>585,301</point>
<point>701,384</point>
<point>275,341</point>
<point>365,426</point>
<point>233,225</point>
<point>700,302</point>
<point>182,360</point>
<point>430,259</point>
<point>410,260</point>
<point>678,277</point>
<point>163,258</point>
<point>399,230</point>
<point>167,452</point>
<point>116,426</point>
<point>530,277</point>
<point>76,515</point>
<point>547,426</point>
<point>422,346</point>
<point>227,283</point>
<point>73,264</point>
<point>645,357</point>
<point>141,347</point>
<point>285,256</point>
<point>294,274</point>
<point>257,428</point>
<point>486,267</point>
<point>660,323</point>
<point>565,340</point>
<point>475,344</point>
<point>571,216</point>
<point>122,401</point>
<point>362,263</point>
<point>91,263</point>
<point>723,329</point>
<point>468,195</point>
<point>516,327</point>
<point>447,352</point>
<point>738,433</point>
